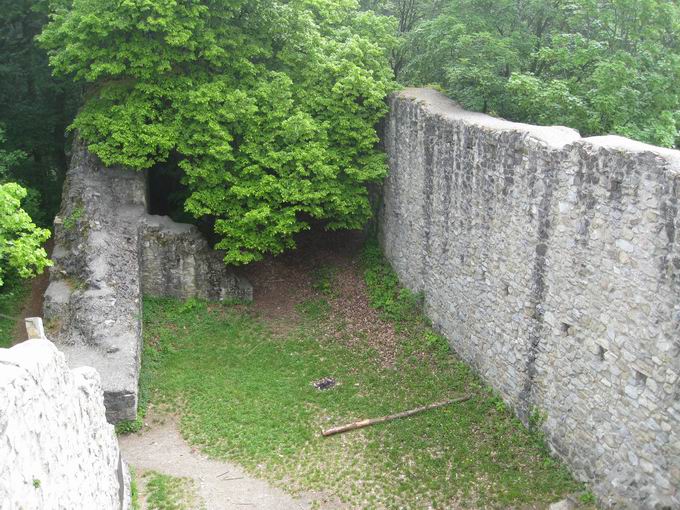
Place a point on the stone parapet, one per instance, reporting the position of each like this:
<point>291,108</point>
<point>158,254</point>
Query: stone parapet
<point>57,449</point>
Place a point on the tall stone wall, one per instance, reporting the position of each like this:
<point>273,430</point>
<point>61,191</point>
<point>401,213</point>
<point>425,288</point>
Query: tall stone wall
<point>57,450</point>
<point>108,252</point>
<point>93,305</point>
<point>552,264</point>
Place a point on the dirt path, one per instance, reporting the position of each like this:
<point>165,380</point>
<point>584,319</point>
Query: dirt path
<point>33,307</point>
<point>221,485</point>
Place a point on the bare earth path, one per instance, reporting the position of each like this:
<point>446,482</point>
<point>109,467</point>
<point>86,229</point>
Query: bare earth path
<point>221,485</point>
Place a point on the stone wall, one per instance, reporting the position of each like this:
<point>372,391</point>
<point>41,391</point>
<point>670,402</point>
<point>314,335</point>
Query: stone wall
<point>108,250</point>
<point>57,449</point>
<point>177,262</point>
<point>552,265</point>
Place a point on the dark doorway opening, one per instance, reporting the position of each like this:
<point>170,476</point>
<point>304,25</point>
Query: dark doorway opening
<point>167,195</point>
<point>166,192</point>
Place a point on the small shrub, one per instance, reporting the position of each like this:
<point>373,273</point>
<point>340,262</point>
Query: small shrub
<point>385,293</point>
<point>587,498</point>
<point>129,426</point>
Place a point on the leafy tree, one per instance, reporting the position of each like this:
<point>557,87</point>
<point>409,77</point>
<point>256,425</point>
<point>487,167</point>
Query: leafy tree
<point>269,105</point>
<point>8,159</point>
<point>601,66</point>
<point>35,108</point>
<point>21,241</point>
<point>408,15</point>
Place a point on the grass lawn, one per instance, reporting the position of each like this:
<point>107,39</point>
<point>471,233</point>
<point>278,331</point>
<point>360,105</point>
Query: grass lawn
<point>243,392</point>
<point>163,492</point>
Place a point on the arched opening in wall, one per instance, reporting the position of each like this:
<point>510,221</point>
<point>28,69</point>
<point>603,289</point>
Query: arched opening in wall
<point>166,195</point>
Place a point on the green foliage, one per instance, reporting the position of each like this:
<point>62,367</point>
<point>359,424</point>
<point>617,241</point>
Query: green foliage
<point>600,67</point>
<point>8,159</point>
<point>21,241</point>
<point>35,108</point>
<point>323,279</point>
<point>125,427</point>
<point>71,220</point>
<point>134,490</point>
<point>408,14</point>
<point>587,498</point>
<point>12,297</point>
<point>269,106</point>
<point>314,309</point>
<point>384,291</point>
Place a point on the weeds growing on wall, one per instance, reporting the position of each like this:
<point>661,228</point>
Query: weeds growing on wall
<point>399,305</point>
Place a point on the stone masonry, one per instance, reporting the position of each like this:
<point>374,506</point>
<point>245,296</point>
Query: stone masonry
<point>57,449</point>
<point>108,252</point>
<point>552,264</point>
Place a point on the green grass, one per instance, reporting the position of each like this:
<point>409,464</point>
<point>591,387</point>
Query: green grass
<point>245,395</point>
<point>134,490</point>
<point>12,298</point>
<point>165,492</point>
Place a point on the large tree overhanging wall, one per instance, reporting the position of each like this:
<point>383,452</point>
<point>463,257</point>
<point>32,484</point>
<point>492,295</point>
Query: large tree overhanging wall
<point>270,106</point>
<point>552,264</point>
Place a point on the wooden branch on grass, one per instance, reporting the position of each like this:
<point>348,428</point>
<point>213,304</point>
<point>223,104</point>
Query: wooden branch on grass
<point>405,414</point>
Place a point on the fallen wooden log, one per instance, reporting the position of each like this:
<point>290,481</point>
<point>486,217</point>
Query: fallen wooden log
<point>405,414</point>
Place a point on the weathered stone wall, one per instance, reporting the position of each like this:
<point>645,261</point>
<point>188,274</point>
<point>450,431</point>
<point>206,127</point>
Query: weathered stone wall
<point>57,450</point>
<point>108,251</point>
<point>552,264</point>
<point>177,262</point>
<point>93,305</point>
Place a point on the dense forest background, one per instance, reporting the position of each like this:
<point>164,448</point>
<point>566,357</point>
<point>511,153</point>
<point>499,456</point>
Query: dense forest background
<point>600,66</point>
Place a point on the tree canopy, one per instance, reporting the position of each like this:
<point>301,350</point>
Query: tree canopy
<point>600,66</point>
<point>35,108</point>
<point>270,105</point>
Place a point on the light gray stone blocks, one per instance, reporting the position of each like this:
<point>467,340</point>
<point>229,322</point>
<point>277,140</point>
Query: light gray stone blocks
<point>57,449</point>
<point>108,251</point>
<point>552,264</point>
